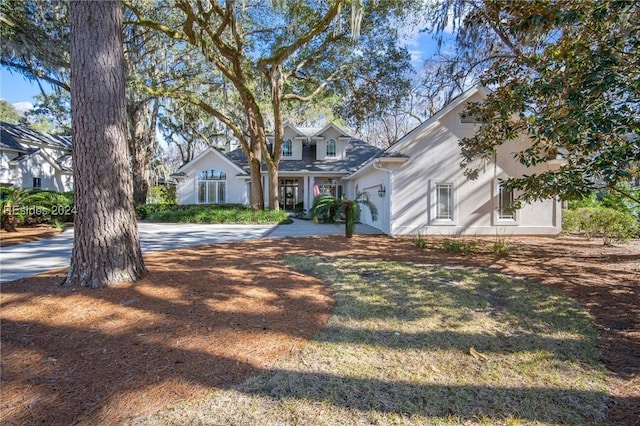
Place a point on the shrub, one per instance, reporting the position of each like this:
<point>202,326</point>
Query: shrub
<point>612,225</point>
<point>20,206</point>
<point>420,241</point>
<point>453,245</point>
<point>162,194</point>
<point>206,213</point>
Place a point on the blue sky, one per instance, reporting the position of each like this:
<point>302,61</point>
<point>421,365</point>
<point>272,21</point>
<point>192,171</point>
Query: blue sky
<point>15,88</point>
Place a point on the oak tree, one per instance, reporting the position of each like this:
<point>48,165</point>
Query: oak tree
<point>276,55</point>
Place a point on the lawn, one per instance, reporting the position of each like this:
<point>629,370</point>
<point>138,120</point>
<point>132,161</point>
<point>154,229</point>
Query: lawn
<point>420,344</point>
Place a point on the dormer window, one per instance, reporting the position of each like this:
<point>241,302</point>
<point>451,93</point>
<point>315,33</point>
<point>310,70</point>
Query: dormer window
<point>287,148</point>
<point>331,148</point>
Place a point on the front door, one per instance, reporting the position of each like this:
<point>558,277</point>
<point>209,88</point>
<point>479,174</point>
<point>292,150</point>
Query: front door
<point>289,193</point>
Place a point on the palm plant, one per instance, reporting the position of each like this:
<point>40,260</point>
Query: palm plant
<point>10,208</point>
<point>333,209</point>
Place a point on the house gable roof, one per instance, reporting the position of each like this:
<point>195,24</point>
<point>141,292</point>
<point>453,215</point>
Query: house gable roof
<point>27,142</point>
<point>17,135</point>
<point>455,103</point>
<point>394,152</point>
<point>207,151</point>
<point>329,126</point>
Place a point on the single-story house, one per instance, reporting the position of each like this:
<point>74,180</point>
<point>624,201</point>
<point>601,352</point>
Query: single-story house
<point>32,159</point>
<point>417,184</point>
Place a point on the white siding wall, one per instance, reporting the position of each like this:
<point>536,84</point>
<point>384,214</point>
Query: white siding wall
<point>36,166</point>
<point>6,174</point>
<point>435,157</point>
<point>188,187</point>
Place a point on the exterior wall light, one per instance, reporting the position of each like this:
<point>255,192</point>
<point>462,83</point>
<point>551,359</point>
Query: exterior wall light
<point>382,191</point>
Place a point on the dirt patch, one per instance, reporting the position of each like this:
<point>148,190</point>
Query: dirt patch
<point>27,234</point>
<point>206,318</point>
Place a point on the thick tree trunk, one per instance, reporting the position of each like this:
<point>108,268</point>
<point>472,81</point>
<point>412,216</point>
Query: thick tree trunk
<point>142,124</point>
<point>106,246</point>
<point>273,159</point>
<point>257,193</point>
<point>254,150</point>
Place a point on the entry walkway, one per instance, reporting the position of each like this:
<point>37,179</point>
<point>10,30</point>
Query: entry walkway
<point>306,228</point>
<point>23,260</point>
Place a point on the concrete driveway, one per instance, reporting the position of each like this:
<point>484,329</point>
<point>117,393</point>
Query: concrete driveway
<point>23,260</point>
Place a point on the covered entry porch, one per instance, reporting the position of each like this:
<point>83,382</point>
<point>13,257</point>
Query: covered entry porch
<point>297,192</point>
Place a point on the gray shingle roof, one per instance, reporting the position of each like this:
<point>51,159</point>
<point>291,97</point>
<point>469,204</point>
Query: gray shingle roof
<point>357,152</point>
<point>28,141</point>
<point>9,140</point>
<point>21,135</point>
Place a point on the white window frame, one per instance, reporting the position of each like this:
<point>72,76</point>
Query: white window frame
<point>216,179</point>
<point>434,199</point>
<point>287,152</point>
<point>498,217</point>
<point>335,148</point>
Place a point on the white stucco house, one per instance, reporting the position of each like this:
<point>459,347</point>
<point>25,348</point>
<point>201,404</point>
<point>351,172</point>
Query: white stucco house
<point>417,184</point>
<point>30,159</point>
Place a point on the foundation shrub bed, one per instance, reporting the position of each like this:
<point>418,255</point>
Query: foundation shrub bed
<point>213,214</point>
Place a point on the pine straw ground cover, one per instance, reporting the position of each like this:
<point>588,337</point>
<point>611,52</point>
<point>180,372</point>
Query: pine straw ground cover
<point>26,234</point>
<point>217,334</point>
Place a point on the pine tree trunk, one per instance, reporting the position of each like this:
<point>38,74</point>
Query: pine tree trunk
<point>106,246</point>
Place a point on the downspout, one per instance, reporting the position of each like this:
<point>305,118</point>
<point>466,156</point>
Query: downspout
<point>376,165</point>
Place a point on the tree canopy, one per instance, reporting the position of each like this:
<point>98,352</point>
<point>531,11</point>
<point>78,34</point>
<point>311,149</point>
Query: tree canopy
<point>275,55</point>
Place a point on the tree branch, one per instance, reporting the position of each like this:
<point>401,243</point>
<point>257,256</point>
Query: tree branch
<point>36,73</point>
<point>293,96</point>
<point>285,52</point>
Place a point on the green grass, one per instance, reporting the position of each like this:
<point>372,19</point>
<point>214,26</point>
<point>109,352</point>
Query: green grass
<point>398,350</point>
<point>231,214</point>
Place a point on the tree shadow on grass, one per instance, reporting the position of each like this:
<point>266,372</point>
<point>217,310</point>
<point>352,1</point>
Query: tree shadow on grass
<point>103,387</point>
<point>67,362</point>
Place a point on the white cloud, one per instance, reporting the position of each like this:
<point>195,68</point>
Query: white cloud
<point>22,107</point>
<point>416,56</point>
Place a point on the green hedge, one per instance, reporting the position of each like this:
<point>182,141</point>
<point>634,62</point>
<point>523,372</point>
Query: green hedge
<point>32,207</point>
<point>218,213</point>
<point>612,225</point>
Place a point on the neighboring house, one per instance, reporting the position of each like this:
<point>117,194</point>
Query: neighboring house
<point>417,184</point>
<point>31,159</point>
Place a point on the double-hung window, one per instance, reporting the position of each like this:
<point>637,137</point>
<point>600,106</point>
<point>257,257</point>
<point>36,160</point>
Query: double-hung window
<point>443,203</point>
<point>287,148</point>
<point>506,211</point>
<point>331,148</point>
